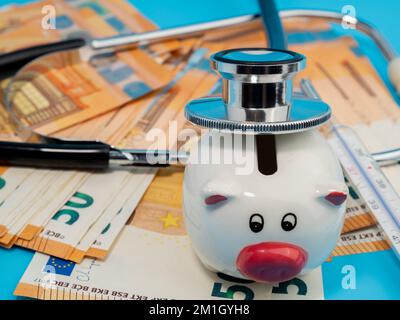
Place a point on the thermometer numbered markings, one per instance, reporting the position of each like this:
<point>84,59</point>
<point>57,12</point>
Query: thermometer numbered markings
<point>371,183</point>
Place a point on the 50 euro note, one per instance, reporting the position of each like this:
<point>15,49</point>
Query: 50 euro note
<point>152,259</point>
<point>165,112</point>
<point>48,196</point>
<point>72,242</point>
<point>111,126</point>
<point>122,205</point>
<point>10,178</point>
<point>66,88</point>
<point>26,193</point>
<point>359,99</point>
<point>357,215</point>
<point>62,233</point>
<point>34,24</point>
<point>369,239</point>
<point>29,197</point>
<point>170,109</point>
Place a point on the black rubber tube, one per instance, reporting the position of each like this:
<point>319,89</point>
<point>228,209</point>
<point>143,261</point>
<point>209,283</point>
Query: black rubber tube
<point>11,62</point>
<point>69,155</point>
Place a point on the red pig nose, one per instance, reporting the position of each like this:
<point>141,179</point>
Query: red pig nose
<point>271,262</point>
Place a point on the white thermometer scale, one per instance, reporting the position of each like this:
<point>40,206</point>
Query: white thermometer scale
<point>369,180</point>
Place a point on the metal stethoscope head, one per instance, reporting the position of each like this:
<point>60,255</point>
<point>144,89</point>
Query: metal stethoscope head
<point>257,95</point>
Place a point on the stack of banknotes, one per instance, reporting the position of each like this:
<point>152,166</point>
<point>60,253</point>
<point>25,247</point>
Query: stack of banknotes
<point>120,234</point>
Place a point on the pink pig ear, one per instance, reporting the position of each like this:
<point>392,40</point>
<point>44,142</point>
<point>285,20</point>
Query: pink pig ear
<point>335,194</point>
<point>219,191</point>
<point>214,199</point>
<point>336,198</point>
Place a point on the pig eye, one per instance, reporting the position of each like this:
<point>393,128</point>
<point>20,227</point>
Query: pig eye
<point>289,222</point>
<point>256,223</point>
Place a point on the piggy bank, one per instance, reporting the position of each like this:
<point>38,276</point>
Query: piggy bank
<point>263,195</point>
<point>265,227</point>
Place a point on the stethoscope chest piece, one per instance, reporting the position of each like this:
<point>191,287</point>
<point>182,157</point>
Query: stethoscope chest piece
<point>257,95</point>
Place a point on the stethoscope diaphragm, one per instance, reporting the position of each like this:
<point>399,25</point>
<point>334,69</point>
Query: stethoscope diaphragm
<point>257,95</point>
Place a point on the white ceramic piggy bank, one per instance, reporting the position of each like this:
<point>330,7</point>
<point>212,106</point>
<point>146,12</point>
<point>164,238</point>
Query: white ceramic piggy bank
<point>267,228</point>
<point>275,212</point>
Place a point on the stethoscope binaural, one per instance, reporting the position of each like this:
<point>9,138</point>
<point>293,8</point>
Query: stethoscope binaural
<point>59,153</point>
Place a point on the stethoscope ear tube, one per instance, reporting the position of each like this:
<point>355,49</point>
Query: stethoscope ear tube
<point>66,156</point>
<point>11,62</point>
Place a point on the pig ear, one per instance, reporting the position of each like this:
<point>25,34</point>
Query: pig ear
<point>335,194</point>
<point>215,192</point>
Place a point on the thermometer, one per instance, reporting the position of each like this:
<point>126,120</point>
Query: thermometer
<point>369,180</point>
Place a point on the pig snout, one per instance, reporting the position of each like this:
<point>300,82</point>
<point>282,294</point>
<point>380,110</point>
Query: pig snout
<point>271,262</point>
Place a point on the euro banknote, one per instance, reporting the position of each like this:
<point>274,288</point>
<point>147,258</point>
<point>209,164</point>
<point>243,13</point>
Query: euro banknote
<point>190,74</point>
<point>153,259</point>
<point>52,236</point>
<point>122,205</point>
<point>365,240</point>
<point>57,192</point>
<point>348,82</point>
<point>112,126</point>
<point>357,216</point>
<point>14,207</point>
<point>64,89</point>
<point>164,249</point>
<point>359,99</point>
<point>67,88</point>
<point>48,21</point>
<point>70,223</point>
<point>101,247</point>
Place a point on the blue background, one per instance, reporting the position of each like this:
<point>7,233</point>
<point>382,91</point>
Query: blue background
<point>375,270</point>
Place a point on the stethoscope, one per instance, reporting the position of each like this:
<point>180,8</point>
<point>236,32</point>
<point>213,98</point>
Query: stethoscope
<point>59,153</point>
